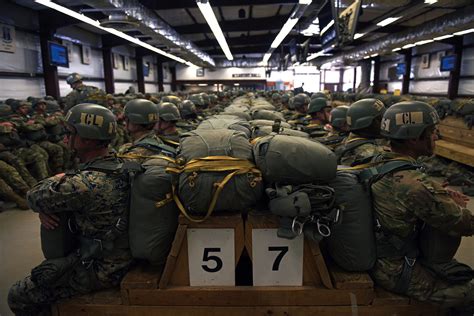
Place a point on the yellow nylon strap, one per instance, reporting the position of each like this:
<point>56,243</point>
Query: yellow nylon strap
<point>168,199</point>
<point>168,140</point>
<point>355,139</point>
<point>138,156</point>
<point>256,139</point>
<point>372,164</point>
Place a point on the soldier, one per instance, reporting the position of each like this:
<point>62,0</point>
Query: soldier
<point>82,93</point>
<point>168,116</point>
<point>364,141</point>
<point>319,109</point>
<point>406,200</point>
<point>140,117</point>
<point>12,186</point>
<point>276,100</point>
<point>340,130</point>
<point>284,101</point>
<point>187,110</point>
<point>300,104</point>
<point>96,200</point>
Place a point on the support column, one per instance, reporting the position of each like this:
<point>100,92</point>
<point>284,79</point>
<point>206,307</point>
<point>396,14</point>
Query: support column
<point>454,76</point>
<point>406,76</point>
<point>159,66</point>
<point>173,78</point>
<point>108,70</point>
<point>376,87</point>
<point>354,80</point>
<point>341,80</point>
<point>50,73</point>
<point>140,76</point>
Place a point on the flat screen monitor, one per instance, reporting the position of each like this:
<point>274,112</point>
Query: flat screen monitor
<point>58,55</point>
<point>146,69</point>
<point>401,68</point>
<point>448,63</point>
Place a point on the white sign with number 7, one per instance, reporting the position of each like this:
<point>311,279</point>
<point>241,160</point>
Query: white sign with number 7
<point>211,257</point>
<point>276,261</point>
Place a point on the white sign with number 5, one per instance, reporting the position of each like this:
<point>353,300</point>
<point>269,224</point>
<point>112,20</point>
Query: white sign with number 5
<point>276,261</point>
<point>211,257</point>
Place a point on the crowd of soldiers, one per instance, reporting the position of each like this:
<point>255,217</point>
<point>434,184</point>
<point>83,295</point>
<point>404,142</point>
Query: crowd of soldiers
<point>138,125</point>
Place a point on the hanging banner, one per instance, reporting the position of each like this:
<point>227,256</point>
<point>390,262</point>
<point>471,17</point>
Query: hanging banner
<point>7,43</point>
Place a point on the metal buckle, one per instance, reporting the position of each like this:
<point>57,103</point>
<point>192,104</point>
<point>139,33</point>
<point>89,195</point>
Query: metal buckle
<point>323,229</point>
<point>410,261</point>
<point>297,226</point>
<point>87,263</point>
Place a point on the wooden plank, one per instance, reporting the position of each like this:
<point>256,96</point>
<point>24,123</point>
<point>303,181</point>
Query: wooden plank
<point>452,121</point>
<point>180,275</point>
<point>457,135</point>
<point>250,296</point>
<point>345,280</point>
<point>459,153</point>
<point>311,274</point>
<point>143,276</point>
<point>108,310</point>
<point>172,256</point>
<point>385,298</point>
<point>321,264</point>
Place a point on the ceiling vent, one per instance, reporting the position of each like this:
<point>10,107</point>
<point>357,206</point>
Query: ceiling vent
<point>120,21</point>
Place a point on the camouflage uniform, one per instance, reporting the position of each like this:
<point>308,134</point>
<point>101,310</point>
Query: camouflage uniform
<point>96,201</point>
<point>12,186</point>
<point>85,94</point>
<point>400,201</point>
<point>364,152</point>
<point>142,146</point>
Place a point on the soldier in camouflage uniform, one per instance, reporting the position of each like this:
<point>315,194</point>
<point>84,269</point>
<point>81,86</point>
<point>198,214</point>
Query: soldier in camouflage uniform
<point>319,110</point>
<point>166,128</point>
<point>140,117</point>
<point>12,186</point>
<point>406,200</point>
<point>339,130</point>
<point>97,203</point>
<point>122,137</point>
<point>276,100</point>
<point>364,141</point>
<point>300,116</point>
<point>82,93</point>
<point>187,110</point>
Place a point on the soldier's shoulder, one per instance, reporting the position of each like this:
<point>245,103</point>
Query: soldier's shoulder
<point>415,185</point>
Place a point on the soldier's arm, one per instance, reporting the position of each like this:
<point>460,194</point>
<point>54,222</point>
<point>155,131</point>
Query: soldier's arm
<point>430,202</point>
<point>61,193</point>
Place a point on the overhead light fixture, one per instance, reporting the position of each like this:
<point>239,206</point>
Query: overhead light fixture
<point>359,35</point>
<point>211,20</point>
<point>388,21</point>
<point>408,46</point>
<point>316,55</point>
<point>312,29</point>
<point>374,55</point>
<point>290,23</point>
<point>440,38</point>
<point>396,49</point>
<point>430,2</point>
<point>366,57</point>
<point>95,23</point>
<point>324,30</point>
<point>464,32</point>
<point>266,58</point>
<point>424,42</point>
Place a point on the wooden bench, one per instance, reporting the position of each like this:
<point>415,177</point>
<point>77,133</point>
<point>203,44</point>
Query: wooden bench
<point>457,141</point>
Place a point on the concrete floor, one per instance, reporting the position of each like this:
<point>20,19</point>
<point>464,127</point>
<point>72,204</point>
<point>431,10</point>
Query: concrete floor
<point>20,249</point>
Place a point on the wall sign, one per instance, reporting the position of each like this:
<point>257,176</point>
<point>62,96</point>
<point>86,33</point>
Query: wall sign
<point>86,54</point>
<point>115,60</point>
<point>200,72</point>
<point>425,61</point>
<point>211,254</point>
<point>126,62</point>
<point>7,43</point>
<point>246,75</point>
<point>69,46</point>
<point>276,261</point>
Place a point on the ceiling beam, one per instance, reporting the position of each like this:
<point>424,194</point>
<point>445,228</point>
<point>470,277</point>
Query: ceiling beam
<point>182,4</point>
<point>274,22</point>
<point>261,49</point>
<point>265,39</point>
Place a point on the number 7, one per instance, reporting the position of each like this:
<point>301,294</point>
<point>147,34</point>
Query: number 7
<point>279,257</point>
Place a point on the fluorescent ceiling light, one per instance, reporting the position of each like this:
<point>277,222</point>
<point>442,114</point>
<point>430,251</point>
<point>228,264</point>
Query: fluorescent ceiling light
<point>95,23</point>
<point>324,30</point>
<point>430,1</point>
<point>440,38</point>
<point>305,1</point>
<point>211,20</point>
<point>359,35</point>
<point>311,29</point>
<point>396,49</point>
<point>266,58</point>
<point>424,42</point>
<point>366,57</point>
<point>408,46</point>
<point>202,84</point>
<point>237,84</point>
<point>284,32</point>
<point>387,21</point>
<point>464,32</point>
<point>316,55</point>
<point>374,55</point>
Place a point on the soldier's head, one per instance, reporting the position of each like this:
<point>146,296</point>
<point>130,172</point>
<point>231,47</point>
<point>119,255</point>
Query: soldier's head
<point>337,118</point>
<point>90,129</point>
<point>364,116</point>
<point>168,115</point>
<point>110,100</point>
<point>285,98</point>
<point>205,98</point>
<point>21,107</point>
<point>188,110</point>
<point>319,95</point>
<point>140,116</point>
<point>411,128</point>
<point>74,80</point>
<point>320,109</point>
<point>301,102</point>
<point>40,105</point>
<point>276,97</point>
<point>197,100</point>
<point>212,100</point>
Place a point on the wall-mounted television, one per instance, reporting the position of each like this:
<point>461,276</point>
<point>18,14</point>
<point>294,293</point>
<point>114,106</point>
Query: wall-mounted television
<point>401,68</point>
<point>146,69</point>
<point>447,63</point>
<point>58,55</point>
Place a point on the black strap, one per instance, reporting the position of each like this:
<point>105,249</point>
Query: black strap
<point>343,149</point>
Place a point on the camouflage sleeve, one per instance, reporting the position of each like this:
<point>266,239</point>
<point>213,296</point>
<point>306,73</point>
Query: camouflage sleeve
<point>430,202</point>
<point>61,193</point>
<point>70,100</point>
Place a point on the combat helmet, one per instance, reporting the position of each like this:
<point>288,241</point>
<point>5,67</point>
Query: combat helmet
<point>205,98</point>
<point>285,98</point>
<point>172,99</point>
<point>197,100</point>
<point>168,112</point>
<point>317,105</point>
<point>362,113</point>
<point>319,95</point>
<point>301,100</point>
<point>213,98</point>
<point>338,116</point>
<point>276,96</point>
<point>73,78</point>
<point>141,111</point>
<point>408,120</point>
<point>5,110</point>
<point>187,108</point>
<point>92,121</point>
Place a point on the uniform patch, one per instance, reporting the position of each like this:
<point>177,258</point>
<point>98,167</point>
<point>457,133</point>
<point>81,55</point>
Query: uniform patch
<point>385,124</point>
<point>152,117</point>
<point>92,119</point>
<point>407,118</point>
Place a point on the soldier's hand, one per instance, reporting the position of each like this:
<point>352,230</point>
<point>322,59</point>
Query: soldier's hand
<point>49,221</point>
<point>458,197</point>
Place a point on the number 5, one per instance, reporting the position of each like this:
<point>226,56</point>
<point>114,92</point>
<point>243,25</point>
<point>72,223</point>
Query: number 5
<point>206,257</point>
<point>283,251</point>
